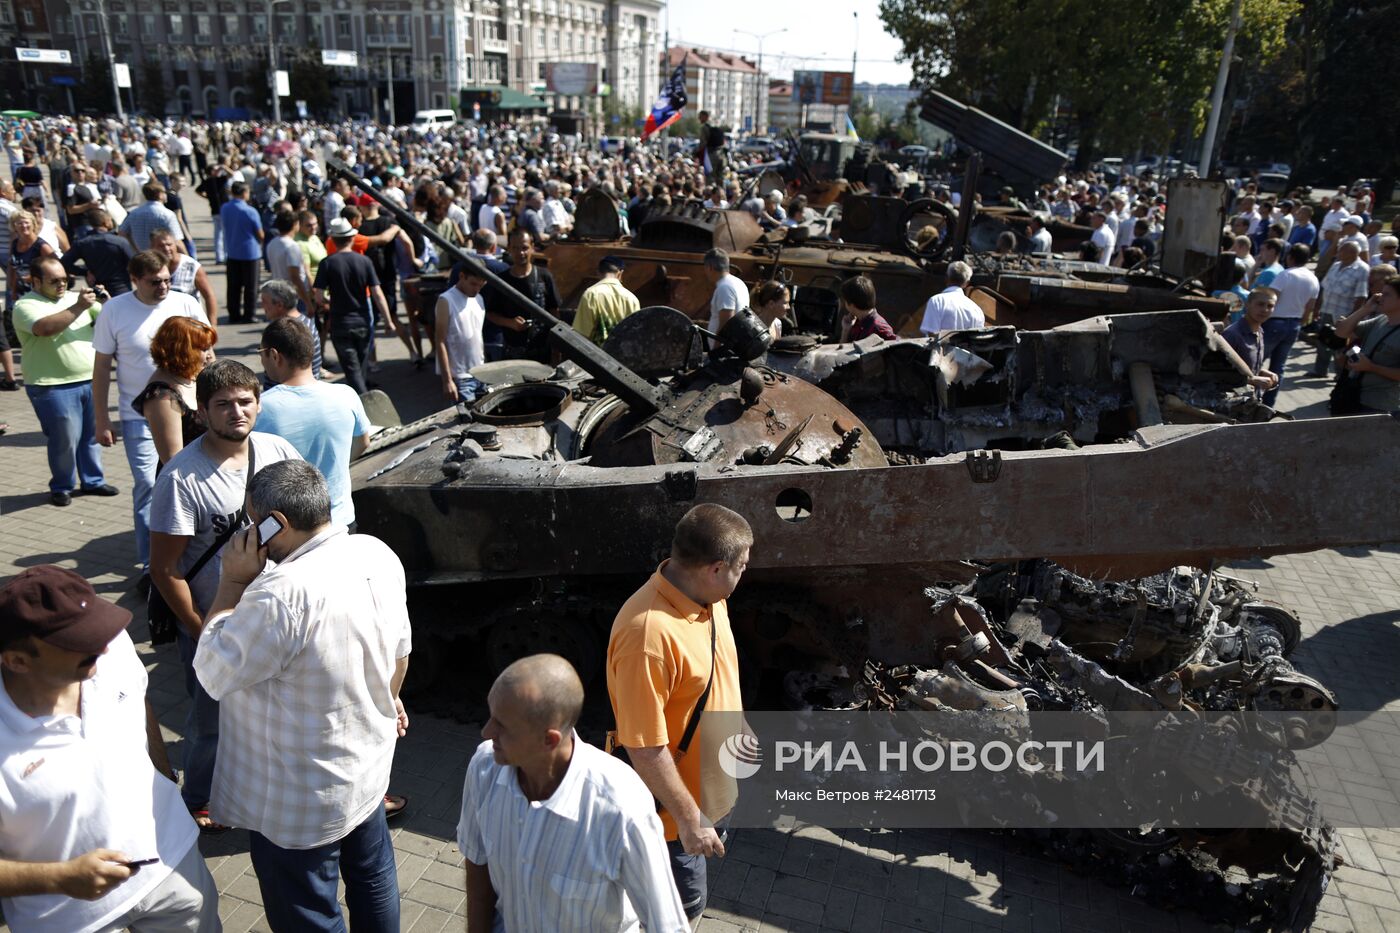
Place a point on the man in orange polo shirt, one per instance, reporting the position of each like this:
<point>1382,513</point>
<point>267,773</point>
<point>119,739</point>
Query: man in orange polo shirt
<point>667,642</point>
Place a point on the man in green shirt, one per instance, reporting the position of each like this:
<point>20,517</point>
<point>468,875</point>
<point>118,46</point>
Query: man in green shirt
<point>55,329</point>
<point>606,302</point>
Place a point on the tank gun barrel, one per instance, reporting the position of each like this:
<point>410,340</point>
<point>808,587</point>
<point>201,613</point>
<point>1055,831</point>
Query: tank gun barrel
<point>641,396</point>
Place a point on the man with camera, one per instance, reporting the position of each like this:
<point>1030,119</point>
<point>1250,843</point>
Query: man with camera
<point>55,329</point>
<point>306,660</point>
<point>1374,359</point>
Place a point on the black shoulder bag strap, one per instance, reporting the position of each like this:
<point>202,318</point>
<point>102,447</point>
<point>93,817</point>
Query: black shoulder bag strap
<point>694,721</point>
<point>237,522</point>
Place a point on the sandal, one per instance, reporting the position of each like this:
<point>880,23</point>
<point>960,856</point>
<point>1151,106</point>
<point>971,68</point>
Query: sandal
<point>206,825</point>
<point>394,805</point>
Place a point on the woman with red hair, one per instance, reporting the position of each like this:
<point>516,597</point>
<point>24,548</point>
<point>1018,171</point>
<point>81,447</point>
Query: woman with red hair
<point>181,348</point>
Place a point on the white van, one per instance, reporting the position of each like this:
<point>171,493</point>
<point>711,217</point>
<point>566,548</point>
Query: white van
<point>425,120</point>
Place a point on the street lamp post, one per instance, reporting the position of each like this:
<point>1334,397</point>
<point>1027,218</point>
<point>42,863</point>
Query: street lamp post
<point>111,59</point>
<point>758,79</point>
<point>272,58</point>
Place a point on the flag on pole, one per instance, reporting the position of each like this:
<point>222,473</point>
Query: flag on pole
<point>668,105</point>
<point>851,129</point>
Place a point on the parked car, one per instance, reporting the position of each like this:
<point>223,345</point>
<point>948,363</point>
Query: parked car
<point>1272,182</point>
<point>759,144</point>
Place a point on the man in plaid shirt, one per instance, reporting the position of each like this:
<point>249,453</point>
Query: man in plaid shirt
<point>307,660</point>
<point>1343,291</point>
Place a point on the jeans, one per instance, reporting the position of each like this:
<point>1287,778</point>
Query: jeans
<point>219,255</point>
<point>353,350</point>
<point>299,885</point>
<point>201,730</point>
<point>242,289</point>
<point>141,456</point>
<point>469,388</point>
<point>1280,333</point>
<point>187,901</point>
<point>691,874</point>
<point>67,418</point>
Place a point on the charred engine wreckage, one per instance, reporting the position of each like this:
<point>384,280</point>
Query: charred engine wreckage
<point>1032,636</point>
<point>524,519</point>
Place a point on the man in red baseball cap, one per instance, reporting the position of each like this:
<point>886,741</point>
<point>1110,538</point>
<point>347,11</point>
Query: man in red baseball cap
<point>93,833</point>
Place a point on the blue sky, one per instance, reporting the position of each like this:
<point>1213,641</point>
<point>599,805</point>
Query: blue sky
<point>820,34</point>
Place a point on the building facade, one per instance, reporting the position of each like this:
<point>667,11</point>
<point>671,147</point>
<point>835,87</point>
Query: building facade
<point>210,57</point>
<point>729,86</point>
<point>783,111</point>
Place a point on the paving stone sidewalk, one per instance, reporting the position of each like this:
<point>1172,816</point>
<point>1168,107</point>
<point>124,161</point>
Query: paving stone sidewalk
<point>811,879</point>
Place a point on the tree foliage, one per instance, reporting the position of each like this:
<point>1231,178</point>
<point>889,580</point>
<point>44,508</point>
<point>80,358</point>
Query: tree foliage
<point>152,91</point>
<point>94,92</point>
<point>1347,126</point>
<point>310,80</point>
<point>1135,75</point>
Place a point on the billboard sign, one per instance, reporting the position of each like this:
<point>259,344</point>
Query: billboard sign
<point>341,58</point>
<point>45,56</point>
<point>822,87</point>
<point>571,78</point>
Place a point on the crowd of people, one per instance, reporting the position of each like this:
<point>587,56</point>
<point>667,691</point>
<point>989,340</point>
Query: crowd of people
<point>292,630</point>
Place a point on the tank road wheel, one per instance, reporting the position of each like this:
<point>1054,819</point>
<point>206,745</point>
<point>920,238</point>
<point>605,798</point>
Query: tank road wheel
<point>576,640</point>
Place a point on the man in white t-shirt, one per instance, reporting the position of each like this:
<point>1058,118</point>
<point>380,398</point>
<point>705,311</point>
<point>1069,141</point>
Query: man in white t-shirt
<point>460,344</point>
<point>731,294</point>
<point>1297,289</point>
<point>122,335</point>
<point>492,215</point>
<point>1102,237</point>
<point>1332,225</point>
<point>951,309</point>
<point>93,835</point>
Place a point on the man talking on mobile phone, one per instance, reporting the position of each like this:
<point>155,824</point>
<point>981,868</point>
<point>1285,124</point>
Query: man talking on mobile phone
<point>197,505</point>
<point>93,836</point>
<point>306,660</point>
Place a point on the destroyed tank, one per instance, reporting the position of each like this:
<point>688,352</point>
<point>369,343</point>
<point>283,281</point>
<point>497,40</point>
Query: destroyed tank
<point>1118,447</point>
<point>864,468</point>
<point>864,232</point>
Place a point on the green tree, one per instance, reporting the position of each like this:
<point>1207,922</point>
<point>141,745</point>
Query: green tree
<point>1137,75</point>
<point>94,92</point>
<point>310,80</point>
<point>152,90</point>
<point>1344,129</point>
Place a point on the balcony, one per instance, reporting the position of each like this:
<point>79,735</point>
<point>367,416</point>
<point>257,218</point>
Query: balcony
<point>379,39</point>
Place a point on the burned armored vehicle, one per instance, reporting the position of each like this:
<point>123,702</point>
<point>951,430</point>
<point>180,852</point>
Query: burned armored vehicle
<point>865,472</point>
<point>868,232</point>
<point>525,519</point>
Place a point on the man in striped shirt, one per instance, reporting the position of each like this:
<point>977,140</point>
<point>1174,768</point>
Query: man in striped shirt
<point>558,835</point>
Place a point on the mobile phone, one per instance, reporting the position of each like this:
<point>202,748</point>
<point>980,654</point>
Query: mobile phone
<point>268,529</point>
<point>137,863</point>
